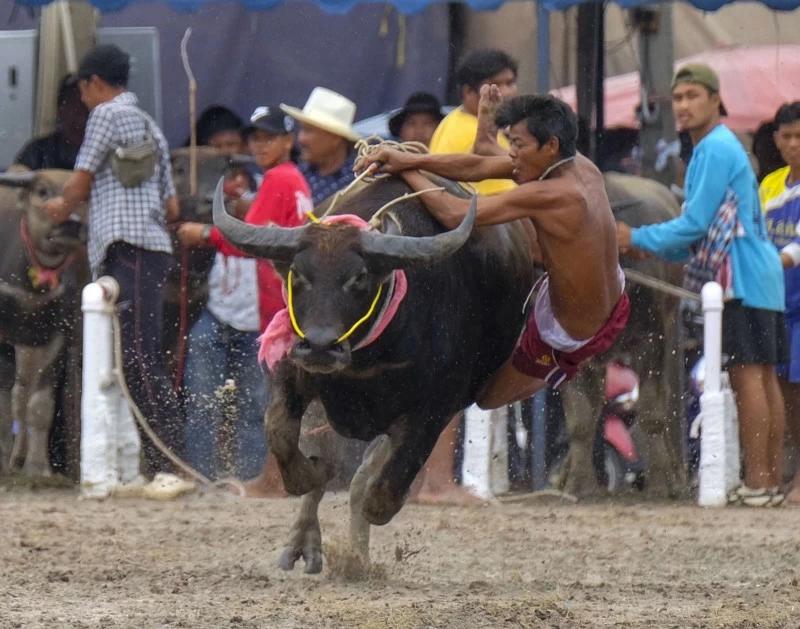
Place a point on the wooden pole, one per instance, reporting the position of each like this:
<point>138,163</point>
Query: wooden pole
<point>192,113</point>
<point>656,52</point>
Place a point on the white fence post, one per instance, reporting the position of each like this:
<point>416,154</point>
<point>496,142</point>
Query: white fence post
<point>485,468</point>
<point>713,442</point>
<point>109,439</point>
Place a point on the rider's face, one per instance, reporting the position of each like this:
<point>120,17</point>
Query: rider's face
<point>529,158</point>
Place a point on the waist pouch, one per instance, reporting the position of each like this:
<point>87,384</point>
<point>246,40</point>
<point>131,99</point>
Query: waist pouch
<point>133,165</point>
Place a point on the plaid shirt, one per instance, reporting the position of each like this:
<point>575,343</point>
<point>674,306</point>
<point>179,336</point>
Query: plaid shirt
<point>323,186</point>
<point>133,215</point>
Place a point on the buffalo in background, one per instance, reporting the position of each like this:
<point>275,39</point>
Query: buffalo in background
<point>42,267</point>
<point>652,344</point>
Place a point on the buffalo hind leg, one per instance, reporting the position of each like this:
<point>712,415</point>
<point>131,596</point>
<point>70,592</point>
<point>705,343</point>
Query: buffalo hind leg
<point>7,375</point>
<point>401,460</point>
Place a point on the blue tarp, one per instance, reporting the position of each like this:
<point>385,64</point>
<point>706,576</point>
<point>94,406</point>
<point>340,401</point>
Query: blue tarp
<point>336,7</point>
<point>404,6</point>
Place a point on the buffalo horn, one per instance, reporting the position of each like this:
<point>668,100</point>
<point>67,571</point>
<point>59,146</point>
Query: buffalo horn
<point>405,251</point>
<point>273,243</point>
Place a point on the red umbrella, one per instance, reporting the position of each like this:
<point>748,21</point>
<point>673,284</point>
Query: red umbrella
<point>754,82</point>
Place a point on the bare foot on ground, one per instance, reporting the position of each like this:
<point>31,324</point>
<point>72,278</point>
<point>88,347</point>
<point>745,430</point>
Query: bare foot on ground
<point>443,493</point>
<point>268,484</point>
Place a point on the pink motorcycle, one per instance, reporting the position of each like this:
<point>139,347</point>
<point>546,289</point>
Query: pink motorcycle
<point>616,460</point>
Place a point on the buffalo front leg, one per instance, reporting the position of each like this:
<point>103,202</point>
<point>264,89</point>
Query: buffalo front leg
<point>300,474</point>
<point>407,447</point>
<point>34,400</point>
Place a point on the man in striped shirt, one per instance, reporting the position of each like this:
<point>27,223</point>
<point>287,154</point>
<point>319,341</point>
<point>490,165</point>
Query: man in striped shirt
<point>128,237</point>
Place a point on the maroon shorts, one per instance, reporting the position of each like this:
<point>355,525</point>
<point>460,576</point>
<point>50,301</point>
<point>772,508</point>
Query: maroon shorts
<point>537,359</point>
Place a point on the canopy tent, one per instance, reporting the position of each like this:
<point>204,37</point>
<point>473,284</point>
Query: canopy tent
<point>754,81</point>
<point>408,6</point>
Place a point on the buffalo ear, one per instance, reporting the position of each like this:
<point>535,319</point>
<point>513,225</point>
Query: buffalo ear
<point>282,268</point>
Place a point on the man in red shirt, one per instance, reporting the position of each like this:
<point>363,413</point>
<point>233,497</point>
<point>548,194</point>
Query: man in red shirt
<point>244,295</point>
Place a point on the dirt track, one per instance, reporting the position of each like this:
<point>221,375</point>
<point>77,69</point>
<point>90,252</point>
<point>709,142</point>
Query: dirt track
<point>210,562</point>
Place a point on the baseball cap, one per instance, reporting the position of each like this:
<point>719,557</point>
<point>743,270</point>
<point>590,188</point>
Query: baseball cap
<point>108,62</point>
<point>271,119</point>
<point>701,74</point>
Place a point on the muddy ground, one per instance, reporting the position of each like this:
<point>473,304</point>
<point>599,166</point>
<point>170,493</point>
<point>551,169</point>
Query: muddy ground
<point>209,561</point>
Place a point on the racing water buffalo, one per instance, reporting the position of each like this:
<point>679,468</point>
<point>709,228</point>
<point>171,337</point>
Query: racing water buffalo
<point>457,323</point>
<point>38,295</point>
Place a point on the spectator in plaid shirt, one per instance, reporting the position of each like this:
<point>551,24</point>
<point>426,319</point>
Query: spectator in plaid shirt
<point>128,236</point>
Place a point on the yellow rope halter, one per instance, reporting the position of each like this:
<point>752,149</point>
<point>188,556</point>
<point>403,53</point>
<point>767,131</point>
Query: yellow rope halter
<point>344,336</point>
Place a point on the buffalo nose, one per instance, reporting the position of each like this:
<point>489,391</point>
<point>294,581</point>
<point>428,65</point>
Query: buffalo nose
<point>321,339</point>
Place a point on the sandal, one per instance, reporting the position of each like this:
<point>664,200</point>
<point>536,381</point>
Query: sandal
<point>743,495</point>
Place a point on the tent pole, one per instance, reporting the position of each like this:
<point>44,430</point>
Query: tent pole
<point>656,60</point>
<point>589,84</point>
<point>542,48</point>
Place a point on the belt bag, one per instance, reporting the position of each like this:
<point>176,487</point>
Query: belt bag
<point>134,164</point>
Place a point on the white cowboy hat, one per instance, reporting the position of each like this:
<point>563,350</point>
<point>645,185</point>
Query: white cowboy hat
<point>329,111</point>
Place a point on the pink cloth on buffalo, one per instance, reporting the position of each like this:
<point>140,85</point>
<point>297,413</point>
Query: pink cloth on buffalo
<point>279,337</point>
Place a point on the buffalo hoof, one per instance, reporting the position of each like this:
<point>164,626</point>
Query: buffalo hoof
<point>312,555</point>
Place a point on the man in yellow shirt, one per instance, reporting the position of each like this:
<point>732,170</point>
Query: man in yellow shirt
<point>458,131</point>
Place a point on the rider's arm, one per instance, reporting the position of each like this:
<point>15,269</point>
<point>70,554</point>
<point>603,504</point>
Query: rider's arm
<point>456,166</point>
<point>466,167</point>
<point>522,202</point>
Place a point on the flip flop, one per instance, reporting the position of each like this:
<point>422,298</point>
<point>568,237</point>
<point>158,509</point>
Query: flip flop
<point>167,486</point>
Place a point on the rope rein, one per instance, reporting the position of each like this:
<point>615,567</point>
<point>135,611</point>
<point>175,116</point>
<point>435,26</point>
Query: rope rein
<point>369,146</point>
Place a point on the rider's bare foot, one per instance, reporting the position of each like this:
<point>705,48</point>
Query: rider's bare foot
<point>448,493</point>
<point>268,484</point>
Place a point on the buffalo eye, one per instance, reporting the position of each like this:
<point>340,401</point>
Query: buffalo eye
<point>42,192</point>
<point>357,282</point>
<point>299,281</point>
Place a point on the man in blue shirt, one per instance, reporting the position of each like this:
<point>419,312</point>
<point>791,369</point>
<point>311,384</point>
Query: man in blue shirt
<point>722,233</point>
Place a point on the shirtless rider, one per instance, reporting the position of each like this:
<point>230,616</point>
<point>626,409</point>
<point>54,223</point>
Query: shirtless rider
<point>580,307</point>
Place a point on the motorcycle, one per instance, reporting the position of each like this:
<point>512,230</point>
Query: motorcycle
<point>616,459</point>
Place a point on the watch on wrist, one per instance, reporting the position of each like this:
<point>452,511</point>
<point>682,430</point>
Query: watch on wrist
<point>206,233</point>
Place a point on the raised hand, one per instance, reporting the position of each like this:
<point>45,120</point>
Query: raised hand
<point>486,137</point>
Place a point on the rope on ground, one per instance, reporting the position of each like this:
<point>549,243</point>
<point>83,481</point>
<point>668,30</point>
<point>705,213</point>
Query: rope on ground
<point>148,430</point>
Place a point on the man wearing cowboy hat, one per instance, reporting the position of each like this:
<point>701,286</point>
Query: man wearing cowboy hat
<point>418,119</point>
<point>325,138</point>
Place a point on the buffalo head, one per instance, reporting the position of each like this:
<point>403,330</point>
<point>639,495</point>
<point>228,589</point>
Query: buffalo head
<point>35,188</point>
<point>211,165</point>
<point>337,276</point>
